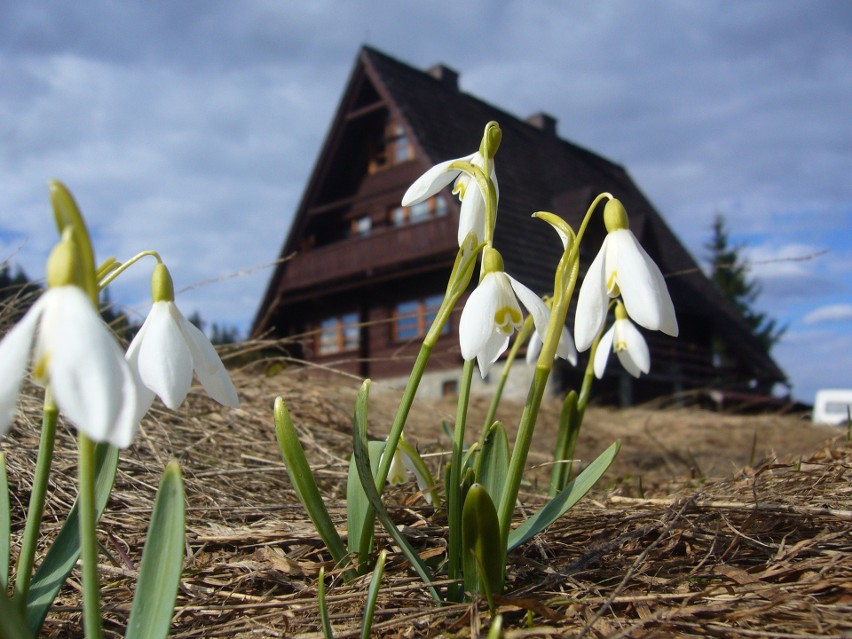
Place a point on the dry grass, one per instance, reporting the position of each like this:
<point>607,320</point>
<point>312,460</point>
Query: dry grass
<point>707,525</point>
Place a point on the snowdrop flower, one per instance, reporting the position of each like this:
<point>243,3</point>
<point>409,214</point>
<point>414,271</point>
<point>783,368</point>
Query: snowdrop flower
<point>472,212</point>
<point>622,267</point>
<point>407,460</point>
<point>492,313</point>
<point>168,348</point>
<point>627,342</point>
<point>73,352</point>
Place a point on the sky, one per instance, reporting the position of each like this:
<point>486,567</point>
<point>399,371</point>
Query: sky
<point>192,127</point>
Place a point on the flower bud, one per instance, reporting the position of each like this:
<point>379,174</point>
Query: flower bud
<point>63,265</point>
<point>615,217</point>
<point>162,287</point>
<point>491,139</point>
<point>492,261</point>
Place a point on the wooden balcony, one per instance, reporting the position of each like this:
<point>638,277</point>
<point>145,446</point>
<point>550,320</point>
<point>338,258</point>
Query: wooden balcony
<point>384,249</point>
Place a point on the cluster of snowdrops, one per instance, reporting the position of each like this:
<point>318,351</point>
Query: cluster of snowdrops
<point>104,392</point>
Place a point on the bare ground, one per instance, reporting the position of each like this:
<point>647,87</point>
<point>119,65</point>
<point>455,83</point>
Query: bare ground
<point>706,525</point>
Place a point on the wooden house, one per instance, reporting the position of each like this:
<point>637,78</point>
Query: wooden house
<point>366,274</point>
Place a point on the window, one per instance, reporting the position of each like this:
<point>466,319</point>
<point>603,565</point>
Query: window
<point>338,334</point>
<point>434,207</point>
<point>391,147</point>
<point>361,226</point>
<point>413,318</point>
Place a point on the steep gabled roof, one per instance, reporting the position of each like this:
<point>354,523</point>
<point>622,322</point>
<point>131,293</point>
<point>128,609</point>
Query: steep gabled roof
<point>536,170</point>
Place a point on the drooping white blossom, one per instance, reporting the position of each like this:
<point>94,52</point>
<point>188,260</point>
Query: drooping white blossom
<point>166,352</point>
<point>76,354</point>
<point>492,313</point>
<point>625,340</point>
<point>472,211</point>
<point>622,268</point>
<point>168,349</point>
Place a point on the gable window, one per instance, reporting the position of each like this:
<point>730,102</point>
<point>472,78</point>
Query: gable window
<point>338,334</point>
<point>434,207</point>
<point>392,147</point>
<point>412,318</point>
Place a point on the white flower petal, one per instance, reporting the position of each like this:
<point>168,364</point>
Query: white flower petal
<point>144,395</point>
<point>491,350</point>
<point>432,182</point>
<point>636,350</point>
<point>592,301</point>
<point>89,377</point>
<point>208,366</point>
<point>165,361</point>
<point>534,348</point>
<point>643,288</point>
<point>472,214</point>
<point>602,352</point>
<point>565,348</point>
<point>477,319</point>
<point>14,357</point>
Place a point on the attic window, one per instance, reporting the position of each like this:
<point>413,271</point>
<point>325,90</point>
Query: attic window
<point>391,147</point>
<point>429,209</point>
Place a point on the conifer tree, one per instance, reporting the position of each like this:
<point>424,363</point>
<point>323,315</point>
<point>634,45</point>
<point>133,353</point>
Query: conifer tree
<point>730,271</point>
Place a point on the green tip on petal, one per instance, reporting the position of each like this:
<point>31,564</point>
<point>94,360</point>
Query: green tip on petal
<point>162,287</point>
<point>491,139</point>
<point>615,217</point>
<point>492,261</point>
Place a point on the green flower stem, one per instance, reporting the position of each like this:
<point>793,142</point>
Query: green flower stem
<point>566,277</point>
<point>113,272</point>
<point>520,450</point>
<point>453,489</point>
<point>37,497</point>
<point>402,413</point>
<point>88,538</point>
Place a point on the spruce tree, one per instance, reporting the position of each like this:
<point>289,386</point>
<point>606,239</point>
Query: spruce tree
<point>729,270</point>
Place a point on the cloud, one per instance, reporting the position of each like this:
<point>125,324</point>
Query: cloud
<point>193,129</point>
<point>829,314</point>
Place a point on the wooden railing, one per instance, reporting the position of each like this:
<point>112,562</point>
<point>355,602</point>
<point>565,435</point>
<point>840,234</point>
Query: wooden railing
<point>382,249</point>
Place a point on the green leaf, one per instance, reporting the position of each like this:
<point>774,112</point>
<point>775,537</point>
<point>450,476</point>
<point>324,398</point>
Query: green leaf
<point>373,595</point>
<point>362,460</point>
<point>5,523</point>
<point>414,462</point>
<point>12,624</point>
<point>303,482</point>
<point>493,461</point>
<point>570,420</point>
<point>325,620</point>
<point>65,550</point>
<point>482,552</point>
<point>162,561</point>
<point>570,495</point>
<point>358,507</point>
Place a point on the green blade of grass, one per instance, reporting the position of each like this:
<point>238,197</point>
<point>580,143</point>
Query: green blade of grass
<point>362,460</point>
<point>567,497</point>
<point>65,550</point>
<point>373,595</point>
<point>303,482</point>
<point>12,624</point>
<point>162,561</point>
